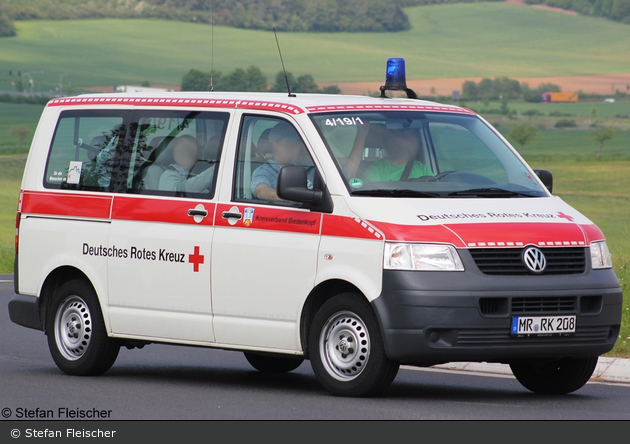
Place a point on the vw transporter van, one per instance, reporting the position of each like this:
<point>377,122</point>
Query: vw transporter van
<point>360,233</point>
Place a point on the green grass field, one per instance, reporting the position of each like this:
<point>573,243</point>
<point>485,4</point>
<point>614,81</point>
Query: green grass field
<point>617,110</point>
<point>11,168</point>
<point>601,191</point>
<point>573,145</point>
<point>15,116</point>
<point>457,40</point>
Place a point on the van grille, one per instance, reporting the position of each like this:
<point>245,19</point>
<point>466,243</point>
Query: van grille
<point>544,304</point>
<point>507,261</point>
<point>501,336</point>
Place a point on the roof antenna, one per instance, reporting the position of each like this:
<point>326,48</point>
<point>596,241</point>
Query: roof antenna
<point>282,61</point>
<point>211,88</point>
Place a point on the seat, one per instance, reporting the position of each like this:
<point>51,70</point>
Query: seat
<point>261,151</point>
<point>210,152</point>
<point>96,145</point>
<point>374,147</point>
<point>263,146</point>
<point>208,156</point>
<point>159,160</point>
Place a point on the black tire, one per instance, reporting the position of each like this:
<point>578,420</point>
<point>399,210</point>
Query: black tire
<point>557,377</point>
<point>273,363</point>
<point>77,338</point>
<point>343,368</point>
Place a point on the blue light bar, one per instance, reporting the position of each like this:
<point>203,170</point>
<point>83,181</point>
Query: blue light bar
<point>395,79</point>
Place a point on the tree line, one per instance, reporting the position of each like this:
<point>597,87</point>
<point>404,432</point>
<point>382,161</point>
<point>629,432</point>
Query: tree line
<point>618,10</point>
<point>7,28</point>
<point>504,88</point>
<point>283,15</point>
<point>252,79</point>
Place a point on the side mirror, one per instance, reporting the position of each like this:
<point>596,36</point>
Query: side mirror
<point>292,185</point>
<point>546,177</point>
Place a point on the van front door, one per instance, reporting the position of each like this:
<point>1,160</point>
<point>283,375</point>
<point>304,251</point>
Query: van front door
<point>264,253</point>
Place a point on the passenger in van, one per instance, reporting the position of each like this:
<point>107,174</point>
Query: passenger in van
<point>402,146</point>
<point>104,162</point>
<point>286,147</point>
<point>105,157</point>
<point>178,176</point>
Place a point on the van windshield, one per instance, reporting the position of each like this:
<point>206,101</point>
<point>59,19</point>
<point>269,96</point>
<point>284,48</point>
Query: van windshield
<point>423,154</point>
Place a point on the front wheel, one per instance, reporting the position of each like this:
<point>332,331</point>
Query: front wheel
<point>554,377</point>
<point>77,338</point>
<point>346,348</point>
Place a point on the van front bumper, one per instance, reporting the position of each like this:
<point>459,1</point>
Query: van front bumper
<point>429,318</point>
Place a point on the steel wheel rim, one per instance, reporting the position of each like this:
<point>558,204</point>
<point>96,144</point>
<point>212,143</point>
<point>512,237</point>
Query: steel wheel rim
<point>344,346</point>
<point>73,328</point>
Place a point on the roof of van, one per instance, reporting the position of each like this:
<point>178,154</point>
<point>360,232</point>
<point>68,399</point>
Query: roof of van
<point>301,103</point>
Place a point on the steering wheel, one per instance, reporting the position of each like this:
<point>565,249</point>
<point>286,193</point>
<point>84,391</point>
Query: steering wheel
<point>422,179</point>
<point>459,176</point>
<point>441,176</point>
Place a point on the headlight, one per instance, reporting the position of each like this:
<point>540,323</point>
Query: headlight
<point>600,256</point>
<point>425,257</point>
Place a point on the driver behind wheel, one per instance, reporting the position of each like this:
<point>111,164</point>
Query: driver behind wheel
<point>402,145</point>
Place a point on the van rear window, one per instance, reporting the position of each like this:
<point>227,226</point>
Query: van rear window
<point>161,152</point>
<point>83,148</point>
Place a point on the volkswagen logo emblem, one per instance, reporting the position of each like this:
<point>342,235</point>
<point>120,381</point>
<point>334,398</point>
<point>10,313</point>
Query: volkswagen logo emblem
<point>534,260</point>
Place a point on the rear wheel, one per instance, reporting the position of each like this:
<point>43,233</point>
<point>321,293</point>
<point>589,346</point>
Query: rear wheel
<point>273,363</point>
<point>346,348</point>
<point>555,377</point>
<point>77,338</point>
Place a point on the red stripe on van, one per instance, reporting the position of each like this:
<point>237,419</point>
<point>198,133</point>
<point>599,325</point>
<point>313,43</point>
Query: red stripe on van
<point>66,204</point>
<point>270,106</point>
<point>517,234</point>
<point>385,107</point>
<point>265,218</point>
<point>592,233</point>
<point>428,233</point>
<point>344,226</point>
<point>178,102</point>
<point>143,209</point>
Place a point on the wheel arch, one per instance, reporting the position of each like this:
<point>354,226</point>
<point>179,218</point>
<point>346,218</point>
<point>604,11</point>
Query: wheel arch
<point>318,296</point>
<point>53,281</point>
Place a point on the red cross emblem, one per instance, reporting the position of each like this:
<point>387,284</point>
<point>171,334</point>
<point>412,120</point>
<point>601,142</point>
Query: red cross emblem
<point>196,259</point>
<point>565,216</point>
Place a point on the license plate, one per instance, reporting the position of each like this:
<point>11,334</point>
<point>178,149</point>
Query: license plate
<point>541,325</point>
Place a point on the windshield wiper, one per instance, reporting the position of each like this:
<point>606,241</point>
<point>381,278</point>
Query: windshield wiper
<point>494,192</point>
<point>380,192</point>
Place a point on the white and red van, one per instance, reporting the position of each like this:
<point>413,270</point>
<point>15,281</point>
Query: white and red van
<point>459,253</point>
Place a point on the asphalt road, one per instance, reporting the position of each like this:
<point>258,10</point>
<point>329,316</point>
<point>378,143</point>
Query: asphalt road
<point>164,382</point>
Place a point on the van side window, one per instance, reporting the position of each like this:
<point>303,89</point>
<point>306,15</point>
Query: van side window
<point>174,152</point>
<point>83,149</point>
<point>266,145</point>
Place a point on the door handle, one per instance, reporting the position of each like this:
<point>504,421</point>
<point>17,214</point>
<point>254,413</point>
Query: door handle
<point>196,212</point>
<point>229,215</point>
<point>233,215</point>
